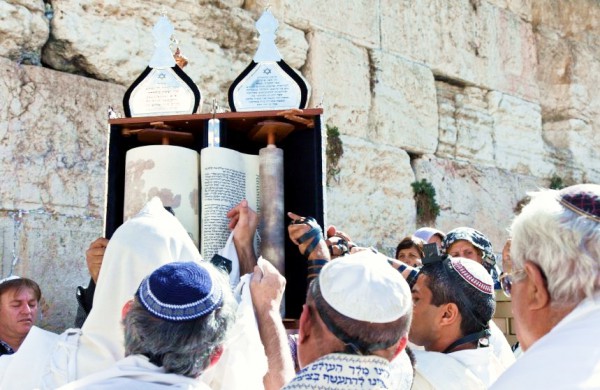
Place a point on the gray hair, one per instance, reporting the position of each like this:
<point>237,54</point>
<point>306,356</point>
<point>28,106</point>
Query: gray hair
<point>183,348</point>
<point>366,333</point>
<point>564,244</point>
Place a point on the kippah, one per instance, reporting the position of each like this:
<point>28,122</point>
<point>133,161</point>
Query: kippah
<point>473,273</point>
<point>180,291</point>
<point>364,287</point>
<point>583,199</point>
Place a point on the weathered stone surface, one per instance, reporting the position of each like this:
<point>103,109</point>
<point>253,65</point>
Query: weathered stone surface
<point>575,156</point>
<point>568,44</point>
<point>339,73</point>
<point>519,145</point>
<point>522,8</point>
<point>572,18</point>
<point>358,21</point>
<point>472,41</point>
<point>494,129</point>
<point>50,249</point>
<point>477,196</point>
<point>403,110</point>
<point>373,199</point>
<point>113,41</point>
<point>23,30</point>
<point>53,131</point>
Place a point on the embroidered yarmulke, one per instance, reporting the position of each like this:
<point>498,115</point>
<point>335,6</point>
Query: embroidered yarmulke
<point>425,233</point>
<point>364,287</point>
<point>583,199</point>
<point>475,237</point>
<point>180,291</point>
<point>473,273</point>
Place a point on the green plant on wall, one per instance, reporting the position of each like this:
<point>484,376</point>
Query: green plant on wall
<point>427,207</point>
<point>334,152</point>
<point>556,183</point>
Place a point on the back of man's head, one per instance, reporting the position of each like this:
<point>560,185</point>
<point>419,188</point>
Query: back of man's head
<point>560,232</point>
<point>18,284</point>
<point>363,302</point>
<point>180,317</point>
<point>468,285</point>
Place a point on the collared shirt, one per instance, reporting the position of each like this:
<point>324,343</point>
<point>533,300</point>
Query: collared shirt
<point>340,371</point>
<point>5,349</point>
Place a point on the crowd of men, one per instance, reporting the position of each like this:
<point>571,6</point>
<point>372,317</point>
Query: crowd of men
<point>157,315</point>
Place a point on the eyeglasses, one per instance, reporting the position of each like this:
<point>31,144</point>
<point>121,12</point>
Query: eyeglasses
<point>506,281</point>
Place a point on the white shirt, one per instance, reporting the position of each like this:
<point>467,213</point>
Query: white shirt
<point>460,370</point>
<point>567,357</point>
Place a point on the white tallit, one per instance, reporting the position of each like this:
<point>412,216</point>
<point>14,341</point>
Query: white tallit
<point>152,238</point>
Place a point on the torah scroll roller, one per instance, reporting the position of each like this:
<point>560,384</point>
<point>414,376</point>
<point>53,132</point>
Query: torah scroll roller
<point>272,207</point>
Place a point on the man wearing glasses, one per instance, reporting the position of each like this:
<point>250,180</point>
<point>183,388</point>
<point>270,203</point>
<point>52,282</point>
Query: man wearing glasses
<point>555,289</point>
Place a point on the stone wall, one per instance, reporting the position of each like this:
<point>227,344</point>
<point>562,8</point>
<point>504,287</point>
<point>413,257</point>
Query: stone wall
<point>485,99</point>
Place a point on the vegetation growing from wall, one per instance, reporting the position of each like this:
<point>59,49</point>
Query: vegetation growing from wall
<point>556,183</point>
<point>427,208</point>
<point>334,152</point>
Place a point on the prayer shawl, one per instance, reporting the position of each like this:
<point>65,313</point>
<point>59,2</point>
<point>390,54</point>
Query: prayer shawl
<point>133,373</point>
<point>501,346</point>
<point>469,369</point>
<point>339,371</point>
<point>152,238</point>
<point>567,357</point>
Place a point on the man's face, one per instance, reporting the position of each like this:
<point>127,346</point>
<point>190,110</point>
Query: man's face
<point>462,248</point>
<point>424,329</point>
<point>18,312</point>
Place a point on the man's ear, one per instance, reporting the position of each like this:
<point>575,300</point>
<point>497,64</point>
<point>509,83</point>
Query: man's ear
<point>536,291</point>
<point>216,356</point>
<point>449,314</point>
<point>304,324</point>
<point>126,308</point>
<point>401,345</point>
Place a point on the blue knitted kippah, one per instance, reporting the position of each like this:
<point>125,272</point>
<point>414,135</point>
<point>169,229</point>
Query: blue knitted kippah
<point>180,291</point>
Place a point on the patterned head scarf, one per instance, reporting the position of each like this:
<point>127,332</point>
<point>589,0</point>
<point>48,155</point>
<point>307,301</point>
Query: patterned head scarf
<point>476,238</point>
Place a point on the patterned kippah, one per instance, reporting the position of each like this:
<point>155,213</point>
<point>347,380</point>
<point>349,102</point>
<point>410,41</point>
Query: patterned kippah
<point>583,199</point>
<point>474,274</point>
<point>180,291</point>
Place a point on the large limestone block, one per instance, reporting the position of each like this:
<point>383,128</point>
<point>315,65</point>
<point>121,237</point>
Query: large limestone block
<point>519,144</point>
<point>54,131</point>
<point>404,111</point>
<point>573,18</point>
<point>471,41</point>
<point>50,249</point>
<point>473,195</point>
<point>466,126</point>
<point>357,20</point>
<point>339,73</point>
<point>113,41</point>
<point>23,30</point>
<point>576,145</point>
<point>372,199</point>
